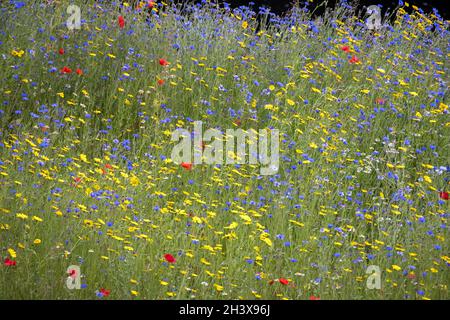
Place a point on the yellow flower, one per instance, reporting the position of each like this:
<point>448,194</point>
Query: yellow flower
<point>37,241</point>
<point>36,218</point>
<point>245,24</point>
<point>134,293</point>
<point>83,158</point>
<point>19,53</point>
<point>88,222</point>
<point>22,216</point>
<point>265,238</point>
<point>197,220</point>
<point>427,179</point>
<point>290,102</point>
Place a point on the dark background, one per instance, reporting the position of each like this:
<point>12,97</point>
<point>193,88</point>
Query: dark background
<point>280,6</point>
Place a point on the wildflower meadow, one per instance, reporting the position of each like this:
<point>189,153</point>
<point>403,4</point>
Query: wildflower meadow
<point>93,204</point>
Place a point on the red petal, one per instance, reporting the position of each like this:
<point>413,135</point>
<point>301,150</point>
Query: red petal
<point>444,195</point>
<point>170,258</point>
<point>186,165</point>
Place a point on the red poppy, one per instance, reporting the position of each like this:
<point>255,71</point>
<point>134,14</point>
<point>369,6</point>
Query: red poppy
<point>9,263</point>
<point>443,195</point>
<point>163,62</point>
<point>283,281</point>
<point>186,165</point>
<point>238,122</point>
<point>66,70</point>
<point>105,292</point>
<point>121,22</point>
<point>107,167</point>
<point>169,258</point>
<point>314,298</point>
<point>161,82</point>
<point>61,51</point>
<point>345,48</point>
<point>79,72</point>
<point>151,4</point>
<point>354,59</point>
